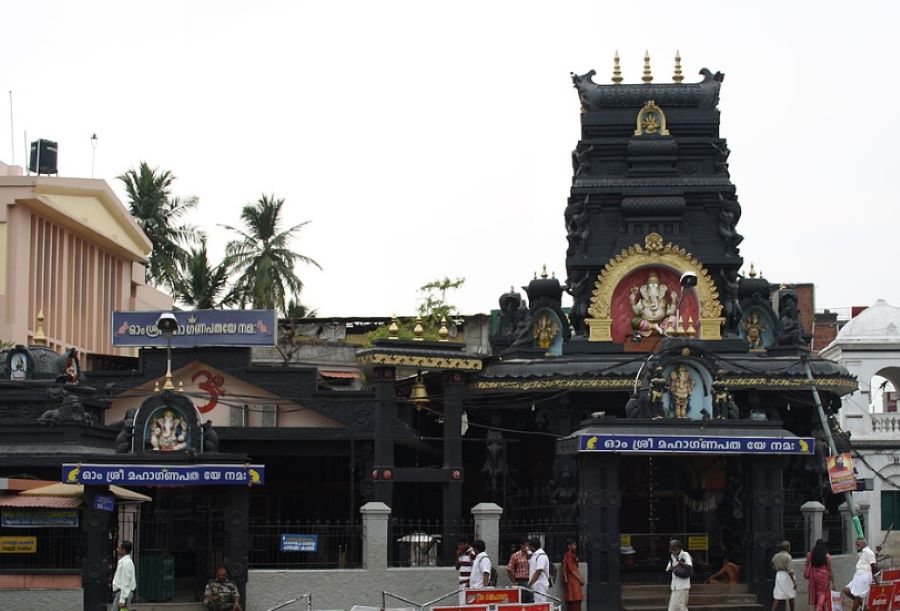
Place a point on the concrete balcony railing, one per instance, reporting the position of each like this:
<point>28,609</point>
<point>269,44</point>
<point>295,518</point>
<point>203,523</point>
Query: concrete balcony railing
<point>885,424</point>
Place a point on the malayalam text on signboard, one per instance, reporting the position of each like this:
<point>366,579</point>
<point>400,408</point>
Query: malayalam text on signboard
<point>18,545</point>
<point>165,475</point>
<point>40,518</point>
<point>197,328</point>
<point>694,444</point>
<point>299,543</point>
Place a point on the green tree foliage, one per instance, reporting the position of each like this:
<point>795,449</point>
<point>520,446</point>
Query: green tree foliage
<point>201,285</point>
<point>295,309</point>
<point>435,305</point>
<point>160,215</point>
<point>262,258</point>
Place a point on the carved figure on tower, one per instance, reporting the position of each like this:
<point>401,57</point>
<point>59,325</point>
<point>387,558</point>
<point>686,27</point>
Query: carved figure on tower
<point>168,433</point>
<point>654,310</point>
<point>681,385</point>
<point>753,326</point>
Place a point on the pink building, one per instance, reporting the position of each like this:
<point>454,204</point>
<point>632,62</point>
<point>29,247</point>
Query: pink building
<point>68,249</point>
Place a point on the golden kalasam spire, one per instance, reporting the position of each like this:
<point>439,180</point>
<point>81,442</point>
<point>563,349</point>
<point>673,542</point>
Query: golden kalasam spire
<point>648,75</point>
<point>418,330</point>
<point>752,270</point>
<point>617,70</point>
<point>40,338</point>
<point>678,76</point>
<point>544,272</point>
<point>443,332</point>
<point>394,328</point>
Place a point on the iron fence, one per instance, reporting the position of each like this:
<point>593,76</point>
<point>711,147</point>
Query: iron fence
<point>337,545</point>
<point>423,542</point>
<point>553,536</point>
<point>833,531</point>
<point>54,549</point>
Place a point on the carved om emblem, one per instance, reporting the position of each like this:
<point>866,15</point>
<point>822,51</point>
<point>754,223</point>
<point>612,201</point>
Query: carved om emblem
<point>213,384</point>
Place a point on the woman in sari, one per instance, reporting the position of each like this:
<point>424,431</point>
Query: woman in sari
<point>818,572</point>
<point>571,576</point>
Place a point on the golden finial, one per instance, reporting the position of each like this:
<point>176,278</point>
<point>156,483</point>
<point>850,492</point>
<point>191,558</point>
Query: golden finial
<point>40,338</point>
<point>617,70</point>
<point>156,386</point>
<point>418,330</point>
<point>691,331</point>
<point>394,328</point>
<point>760,273</point>
<point>752,270</point>
<point>677,77</point>
<point>443,332</point>
<point>679,330</point>
<point>544,272</point>
<point>181,386</point>
<point>167,385</point>
<point>648,76</point>
<point>553,275</point>
<point>535,275</point>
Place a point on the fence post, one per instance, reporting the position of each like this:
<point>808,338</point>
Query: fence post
<point>813,512</point>
<point>487,528</point>
<point>375,535</point>
<point>849,531</point>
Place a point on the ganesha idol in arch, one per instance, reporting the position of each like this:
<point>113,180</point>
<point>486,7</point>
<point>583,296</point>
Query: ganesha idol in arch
<point>654,306</point>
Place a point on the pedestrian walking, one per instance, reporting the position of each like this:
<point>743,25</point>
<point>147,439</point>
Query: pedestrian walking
<point>821,579</point>
<point>481,566</point>
<point>682,568</point>
<point>124,581</point>
<point>517,569</point>
<point>785,586</point>
<point>539,569</point>
<point>465,555</point>
<point>571,577</point>
<point>866,567</point>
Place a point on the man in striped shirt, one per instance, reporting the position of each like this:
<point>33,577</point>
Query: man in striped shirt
<point>465,555</point>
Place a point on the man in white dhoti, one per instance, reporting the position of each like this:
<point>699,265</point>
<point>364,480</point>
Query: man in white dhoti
<point>785,586</point>
<point>866,567</point>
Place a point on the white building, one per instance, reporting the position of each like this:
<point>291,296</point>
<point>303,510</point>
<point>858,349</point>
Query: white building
<point>869,347</point>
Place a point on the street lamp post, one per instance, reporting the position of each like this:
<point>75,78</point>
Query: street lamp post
<point>168,325</point>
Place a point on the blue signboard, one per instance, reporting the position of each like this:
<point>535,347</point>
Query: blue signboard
<point>38,518</point>
<point>197,328</point>
<point>695,444</point>
<point>299,543</point>
<point>165,475</point>
<point>104,502</point>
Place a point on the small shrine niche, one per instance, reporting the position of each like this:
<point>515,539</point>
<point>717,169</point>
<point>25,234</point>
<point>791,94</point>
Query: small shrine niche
<point>688,391</point>
<point>758,328</point>
<point>546,331</point>
<point>19,364</point>
<point>166,423</point>
<point>651,121</point>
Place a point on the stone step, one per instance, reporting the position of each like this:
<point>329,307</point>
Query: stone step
<point>703,597</point>
<point>700,599</point>
<point>163,607</point>
<point>695,607</point>
<point>696,588</point>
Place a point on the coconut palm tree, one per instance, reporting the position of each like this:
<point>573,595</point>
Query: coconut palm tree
<point>159,215</point>
<point>200,284</point>
<point>262,259</point>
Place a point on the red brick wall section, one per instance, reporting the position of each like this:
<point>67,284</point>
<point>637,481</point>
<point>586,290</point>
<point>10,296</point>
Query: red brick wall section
<point>806,298</point>
<point>825,329</point>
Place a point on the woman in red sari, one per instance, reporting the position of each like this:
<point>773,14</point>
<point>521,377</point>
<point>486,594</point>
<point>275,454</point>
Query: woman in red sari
<point>571,577</point>
<point>818,572</point>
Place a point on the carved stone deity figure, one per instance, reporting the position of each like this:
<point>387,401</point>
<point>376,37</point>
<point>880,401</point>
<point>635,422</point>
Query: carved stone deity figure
<point>654,311</point>
<point>495,467</point>
<point>657,391</point>
<point>724,406</point>
<point>753,326</point>
<point>168,433</point>
<point>681,385</point>
<point>544,330</point>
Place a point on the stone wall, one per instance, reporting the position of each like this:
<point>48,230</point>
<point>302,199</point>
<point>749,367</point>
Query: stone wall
<point>41,599</point>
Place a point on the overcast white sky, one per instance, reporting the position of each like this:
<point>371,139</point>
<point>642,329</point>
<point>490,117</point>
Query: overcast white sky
<point>425,139</point>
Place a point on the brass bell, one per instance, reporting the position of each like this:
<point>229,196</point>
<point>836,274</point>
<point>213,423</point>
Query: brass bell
<point>418,394</point>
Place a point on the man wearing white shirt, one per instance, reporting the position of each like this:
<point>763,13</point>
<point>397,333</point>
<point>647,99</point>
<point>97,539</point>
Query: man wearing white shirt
<point>481,566</point>
<point>682,567</point>
<point>124,582</point>
<point>539,569</point>
<point>866,567</point>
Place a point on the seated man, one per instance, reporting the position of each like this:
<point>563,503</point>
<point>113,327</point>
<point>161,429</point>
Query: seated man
<point>729,573</point>
<point>221,594</point>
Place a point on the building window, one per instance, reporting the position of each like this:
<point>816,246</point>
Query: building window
<point>239,415</point>
<point>890,509</point>
<point>269,415</point>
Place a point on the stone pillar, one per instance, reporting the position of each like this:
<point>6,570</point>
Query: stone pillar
<point>767,522</point>
<point>862,510</point>
<point>375,535</point>
<point>599,502</point>
<point>813,512</point>
<point>487,528</point>
<point>385,415</point>
<point>98,554</point>
<point>237,536</point>
<point>452,509</point>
